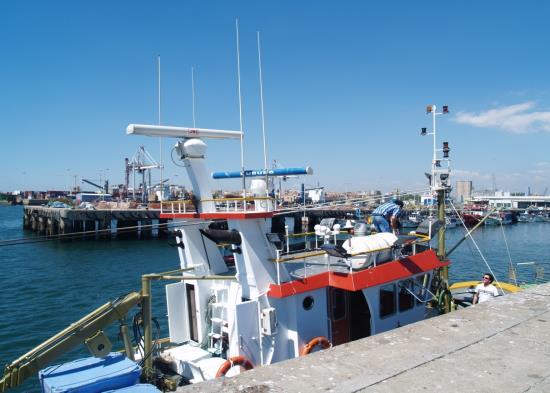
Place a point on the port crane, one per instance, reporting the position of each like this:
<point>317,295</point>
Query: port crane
<point>142,162</point>
<point>104,188</point>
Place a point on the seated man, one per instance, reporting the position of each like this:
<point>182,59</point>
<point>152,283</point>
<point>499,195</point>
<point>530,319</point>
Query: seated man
<point>486,290</point>
<point>386,216</point>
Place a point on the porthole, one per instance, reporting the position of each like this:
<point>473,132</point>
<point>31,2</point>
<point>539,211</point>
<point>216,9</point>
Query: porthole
<point>308,303</point>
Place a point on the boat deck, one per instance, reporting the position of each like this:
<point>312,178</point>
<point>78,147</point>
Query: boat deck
<point>310,276</point>
<point>299,270</point>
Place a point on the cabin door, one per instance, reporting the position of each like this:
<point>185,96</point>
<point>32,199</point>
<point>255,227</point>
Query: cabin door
<point>349,315</point>
<point>192,312</point>
<point>339,315</point>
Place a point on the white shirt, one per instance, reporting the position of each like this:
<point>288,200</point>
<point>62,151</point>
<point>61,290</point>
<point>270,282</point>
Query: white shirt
<point>485,293</point>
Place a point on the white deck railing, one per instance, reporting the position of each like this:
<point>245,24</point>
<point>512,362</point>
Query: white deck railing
<point>221,205</point>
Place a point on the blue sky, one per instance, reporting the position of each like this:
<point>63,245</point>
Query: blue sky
<point>345,88</point>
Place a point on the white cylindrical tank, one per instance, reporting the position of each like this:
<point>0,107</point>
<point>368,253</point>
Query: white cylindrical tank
<point>376,248</point>
<point>258,188</point>
<point>194,151</point>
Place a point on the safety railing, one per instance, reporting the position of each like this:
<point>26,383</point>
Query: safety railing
<point>285,256</point>
<point>220,205</point>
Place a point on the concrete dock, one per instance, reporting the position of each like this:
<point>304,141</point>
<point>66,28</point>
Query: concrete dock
<point>104,223</point>
<point>498,346</point>
<point>112,222</point>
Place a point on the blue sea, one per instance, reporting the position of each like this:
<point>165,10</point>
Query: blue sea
<point>46,286</point>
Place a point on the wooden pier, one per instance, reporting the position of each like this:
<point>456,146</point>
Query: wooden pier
<point>98,223</point>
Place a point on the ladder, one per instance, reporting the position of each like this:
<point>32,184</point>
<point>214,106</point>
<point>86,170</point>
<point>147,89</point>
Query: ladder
<point>218,321</point>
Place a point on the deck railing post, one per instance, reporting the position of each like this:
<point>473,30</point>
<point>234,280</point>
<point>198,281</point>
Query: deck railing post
<point>146,315</point>
<point>278,254</point>
<point>287,240</point>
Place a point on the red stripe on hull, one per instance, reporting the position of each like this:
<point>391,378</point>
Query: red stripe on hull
<point>387,272</point>
<point>219,216</point>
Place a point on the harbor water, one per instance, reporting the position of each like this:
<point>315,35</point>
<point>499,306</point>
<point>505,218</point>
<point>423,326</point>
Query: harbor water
<point>46,286</point>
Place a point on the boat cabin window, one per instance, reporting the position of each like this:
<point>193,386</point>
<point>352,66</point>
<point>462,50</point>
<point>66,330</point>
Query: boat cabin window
<point>406,299</point>
<point>387,300</point>
<point>308,303</point>
<point>421,288</point>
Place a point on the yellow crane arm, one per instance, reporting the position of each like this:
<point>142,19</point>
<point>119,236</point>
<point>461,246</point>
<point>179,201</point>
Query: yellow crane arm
<point>42,355</point>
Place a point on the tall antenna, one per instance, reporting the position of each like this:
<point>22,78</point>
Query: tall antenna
<point>240,106</point>
<point>193,93</point>
<point>160,138</point>
<point>262,110</point>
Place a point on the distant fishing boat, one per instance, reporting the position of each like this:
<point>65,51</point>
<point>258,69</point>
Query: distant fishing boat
<point>471,218</point>
<point>451,222</point>
<point>499,218</point>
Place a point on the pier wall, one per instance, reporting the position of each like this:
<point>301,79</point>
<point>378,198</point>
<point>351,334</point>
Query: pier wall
<point>104,223</point>
<point>498,346</point>
<point>138,222</point>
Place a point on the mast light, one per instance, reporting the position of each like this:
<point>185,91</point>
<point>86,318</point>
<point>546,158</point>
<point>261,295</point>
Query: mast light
<point>423,131</point>
<point>446,149</point>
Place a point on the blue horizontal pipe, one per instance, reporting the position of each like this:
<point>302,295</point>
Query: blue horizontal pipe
<point>262,172</point>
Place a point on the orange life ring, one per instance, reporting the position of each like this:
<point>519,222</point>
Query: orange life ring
<point>320,340</point>
<point>234,361</point>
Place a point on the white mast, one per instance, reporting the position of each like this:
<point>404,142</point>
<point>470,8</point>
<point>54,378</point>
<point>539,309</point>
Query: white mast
<point>160,138</point>
<point>193,93</point>
<point>240,107</point>
<point>434,160</point>
<point>262,111</point>
<point>440,173</point>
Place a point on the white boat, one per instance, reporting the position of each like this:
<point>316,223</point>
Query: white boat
<point>412,221</point>
<point>272,303</point>
<point>277,303</point>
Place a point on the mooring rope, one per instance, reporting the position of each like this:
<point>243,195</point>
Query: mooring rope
<point>477,247</point>
<point>509,255</point>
